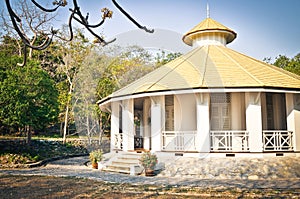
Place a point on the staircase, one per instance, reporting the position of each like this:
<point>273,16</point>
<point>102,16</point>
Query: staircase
<point>124,162</point>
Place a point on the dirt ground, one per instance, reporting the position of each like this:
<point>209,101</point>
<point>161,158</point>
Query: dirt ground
<point>60,187</point>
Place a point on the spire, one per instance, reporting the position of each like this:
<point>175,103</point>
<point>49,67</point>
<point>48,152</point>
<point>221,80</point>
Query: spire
<point>207,10</point>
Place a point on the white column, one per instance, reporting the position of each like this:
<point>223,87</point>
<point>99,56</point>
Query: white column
<point>128,125</point>
<point>114,129</point>
<point>156,122</point>
<point>293,117</point>
<point>146,119</point>
<point>203,123</point>
<point>254,121</point>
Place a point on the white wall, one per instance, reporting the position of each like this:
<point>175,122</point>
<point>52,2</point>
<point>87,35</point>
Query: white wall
<point>210,39</point>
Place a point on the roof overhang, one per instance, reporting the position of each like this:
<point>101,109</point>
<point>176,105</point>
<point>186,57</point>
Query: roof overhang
<point>105,103</point>
<point>189,37</point>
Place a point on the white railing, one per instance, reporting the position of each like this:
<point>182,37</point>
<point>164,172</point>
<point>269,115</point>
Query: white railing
<point>118,141</point>
<point>278,140</point>
<point>179,140</point>
<point>233,141</point>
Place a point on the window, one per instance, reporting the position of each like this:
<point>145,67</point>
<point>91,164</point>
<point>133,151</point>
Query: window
<point>220,111</point>
<point>120,119</point>
<point>169,113</point>
<point>270,113</point>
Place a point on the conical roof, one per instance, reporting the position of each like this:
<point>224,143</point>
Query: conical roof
<point>212,66</point>
<point>208,26</point>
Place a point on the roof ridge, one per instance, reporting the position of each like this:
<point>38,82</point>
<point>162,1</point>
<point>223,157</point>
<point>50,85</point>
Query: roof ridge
<point>238,64</point>
<point>205,66</point>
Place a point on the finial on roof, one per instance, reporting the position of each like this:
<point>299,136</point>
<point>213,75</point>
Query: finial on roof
<point>207,10</point>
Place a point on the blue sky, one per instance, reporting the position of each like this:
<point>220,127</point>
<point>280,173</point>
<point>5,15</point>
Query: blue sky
<point>265,28</point>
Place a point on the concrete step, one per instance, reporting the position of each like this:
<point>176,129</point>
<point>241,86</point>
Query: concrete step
<point>117,171</point>
<point>125,163</point>
<point>129,163</point>
<point>118,167</point>
<point>130,156</point>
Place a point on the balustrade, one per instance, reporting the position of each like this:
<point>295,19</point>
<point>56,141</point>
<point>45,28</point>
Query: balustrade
<point>278,140</point>
<point>233,141</point>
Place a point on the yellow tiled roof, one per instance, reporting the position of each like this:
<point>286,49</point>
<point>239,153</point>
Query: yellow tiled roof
<point>205,26</point>
<point>212,66</point>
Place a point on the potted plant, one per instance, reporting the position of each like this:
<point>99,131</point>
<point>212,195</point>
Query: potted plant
<point>95,157</point>
<point>148,161</point>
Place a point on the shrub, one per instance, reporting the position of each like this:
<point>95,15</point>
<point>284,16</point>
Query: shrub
<point>96,156</point>
<point>148,160</point>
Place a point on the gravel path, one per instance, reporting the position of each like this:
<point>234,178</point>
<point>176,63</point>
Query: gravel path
<point>219,176</point>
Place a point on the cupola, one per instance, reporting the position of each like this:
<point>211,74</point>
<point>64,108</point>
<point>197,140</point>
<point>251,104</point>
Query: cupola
<point>209,32</point>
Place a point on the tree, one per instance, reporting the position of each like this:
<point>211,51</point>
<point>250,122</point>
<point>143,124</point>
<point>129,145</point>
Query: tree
<point>289,64</point>
<point>73,54</point>
<point>83,99</point>
<point>28,97</point>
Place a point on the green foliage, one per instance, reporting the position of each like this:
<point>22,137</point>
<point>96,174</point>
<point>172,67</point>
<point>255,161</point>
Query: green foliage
<point>163,58</point>
<point>27,96</point>
<point>289,64</point>
<point>96,156</point>
<point>9,46</point>
<point>148,160</point>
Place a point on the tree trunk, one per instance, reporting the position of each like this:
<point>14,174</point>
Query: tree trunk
<point>66,124</point>
<point>61,129</point>
<point>88,130</point>
<point>28,135</point>
<point>67,111</point>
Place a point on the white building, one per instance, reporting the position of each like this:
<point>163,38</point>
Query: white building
<point>212,101</point>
